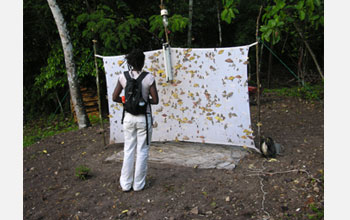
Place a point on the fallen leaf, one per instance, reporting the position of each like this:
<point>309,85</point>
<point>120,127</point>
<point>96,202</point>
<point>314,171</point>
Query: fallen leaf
<point>45,151</point>
<point>195,210</point>
<point>229,60</point>
<point>220,51</point>
<point>272,160</point>
<point>125,211</point>
<point>251,166</point>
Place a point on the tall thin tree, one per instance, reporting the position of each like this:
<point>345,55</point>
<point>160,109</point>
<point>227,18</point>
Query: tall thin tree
<point>219,22</point>
<point>190,14</point>
<point>74,88</point>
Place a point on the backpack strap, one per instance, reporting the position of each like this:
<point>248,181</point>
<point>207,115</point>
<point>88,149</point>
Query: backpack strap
<point>141,77</point>
<point>127,77</point>
<point>139,80</point>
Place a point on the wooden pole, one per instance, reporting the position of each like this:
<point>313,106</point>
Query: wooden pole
<point>98,94</point>
<point>257,75</point>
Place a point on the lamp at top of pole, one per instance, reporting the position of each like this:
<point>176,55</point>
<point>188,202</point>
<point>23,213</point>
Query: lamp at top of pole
<point>164,14</point>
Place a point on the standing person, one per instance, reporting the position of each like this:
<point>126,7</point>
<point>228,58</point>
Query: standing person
<point>137,127</point>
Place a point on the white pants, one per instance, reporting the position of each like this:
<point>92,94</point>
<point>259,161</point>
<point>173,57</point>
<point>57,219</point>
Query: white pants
<point>135,135</point>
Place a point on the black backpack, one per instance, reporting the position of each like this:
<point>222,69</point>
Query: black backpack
<point>134,101</point>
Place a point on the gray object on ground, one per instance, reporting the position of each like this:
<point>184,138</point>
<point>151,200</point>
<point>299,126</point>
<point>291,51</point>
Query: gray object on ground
<point>187,154</point>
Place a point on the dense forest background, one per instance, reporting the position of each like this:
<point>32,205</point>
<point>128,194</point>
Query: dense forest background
<point>291,29</point>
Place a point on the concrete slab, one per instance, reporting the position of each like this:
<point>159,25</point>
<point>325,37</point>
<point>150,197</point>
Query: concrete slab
<point>197,155</point>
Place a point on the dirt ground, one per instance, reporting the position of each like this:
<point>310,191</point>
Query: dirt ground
<point>290,187</point>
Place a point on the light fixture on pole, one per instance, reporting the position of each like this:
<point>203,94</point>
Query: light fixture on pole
<point>164,14</point>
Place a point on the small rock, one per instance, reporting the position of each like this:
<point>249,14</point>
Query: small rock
<point>194,210</point>
<point>33,168</point>
<point>316,189</point>
<point>132,213</point>
<point>208,212</point>
<point>227,199</point>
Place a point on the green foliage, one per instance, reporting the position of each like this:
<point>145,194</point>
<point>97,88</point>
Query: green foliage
<point>53,75</point>
<point>177,23</point>
<point>318,213</point>
<point>82,172</point>
<point>120,26</point>
<point>45,127</point>
<point>284,14</point>
<point>229,11</point>
<point>309,92</point>
<point>106,24</point>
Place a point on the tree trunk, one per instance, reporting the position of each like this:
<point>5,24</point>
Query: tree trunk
<point>219,23</point>
<point>82,118</point>
<point>190,13</point>
<point>309,49</point>
<point>59,103</point>
<point>300,69</point>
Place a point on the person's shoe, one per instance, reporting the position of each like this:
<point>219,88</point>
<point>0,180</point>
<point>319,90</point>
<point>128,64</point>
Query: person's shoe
<point>127,190</point>
<point>139,189</point>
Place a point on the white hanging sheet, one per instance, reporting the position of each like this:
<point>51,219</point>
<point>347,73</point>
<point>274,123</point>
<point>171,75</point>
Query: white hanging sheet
<point>207,101</point>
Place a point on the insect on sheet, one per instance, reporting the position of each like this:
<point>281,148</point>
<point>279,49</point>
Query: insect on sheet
<point>207,100</point>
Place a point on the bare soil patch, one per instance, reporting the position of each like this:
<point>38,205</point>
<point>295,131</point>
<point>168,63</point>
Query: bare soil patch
<point>256,189</point>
